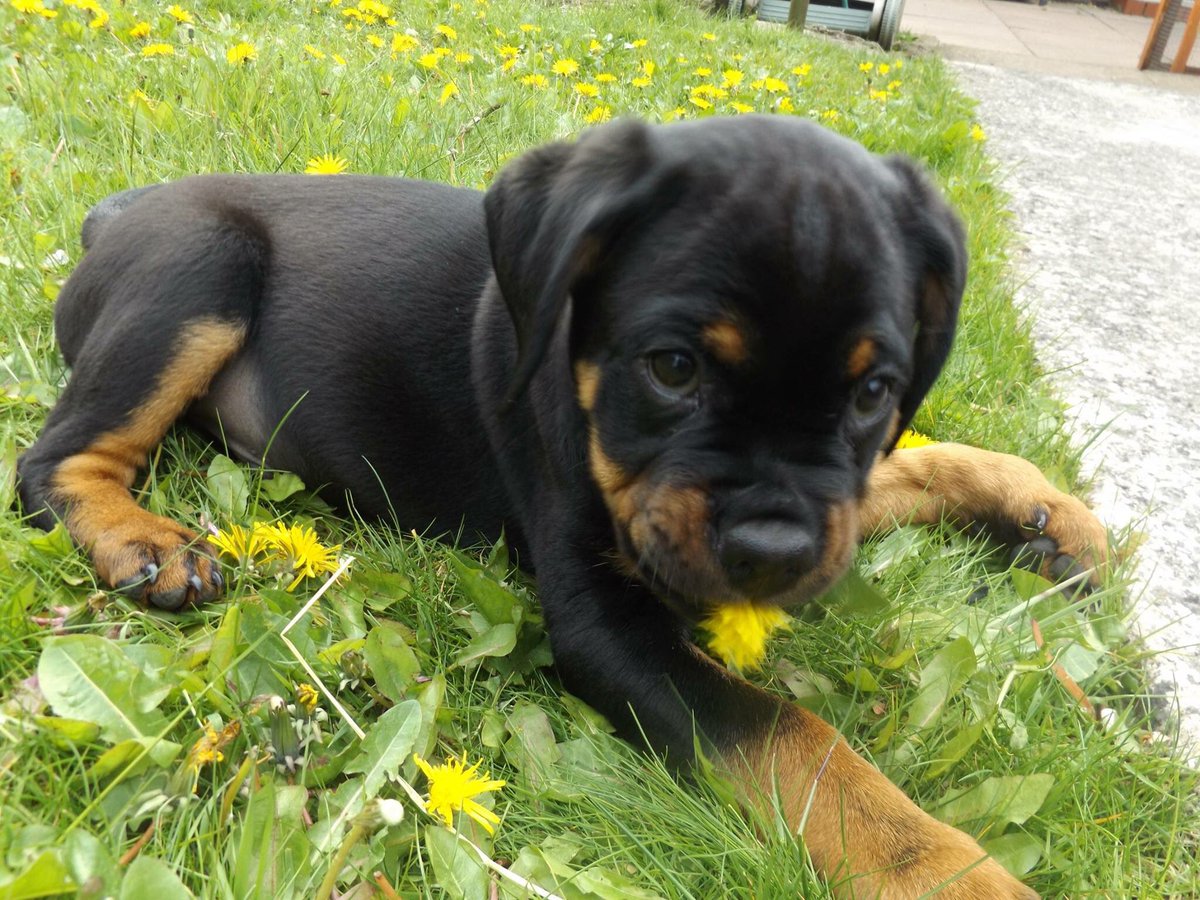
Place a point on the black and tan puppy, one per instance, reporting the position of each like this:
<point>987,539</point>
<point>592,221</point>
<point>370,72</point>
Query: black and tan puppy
<point>667,359</point>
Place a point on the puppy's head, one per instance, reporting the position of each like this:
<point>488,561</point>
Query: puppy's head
<point>752,309</point>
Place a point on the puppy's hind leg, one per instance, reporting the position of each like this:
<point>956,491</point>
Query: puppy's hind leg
<point>150,316</point>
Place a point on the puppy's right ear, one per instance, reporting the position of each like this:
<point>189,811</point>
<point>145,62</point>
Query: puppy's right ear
<point>556,214</point>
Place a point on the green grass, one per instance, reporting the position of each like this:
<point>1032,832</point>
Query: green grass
<point>1087,811</point>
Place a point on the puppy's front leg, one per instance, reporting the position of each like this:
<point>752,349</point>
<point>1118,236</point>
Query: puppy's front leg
<point>1007,495</point>
<point>623,652</point>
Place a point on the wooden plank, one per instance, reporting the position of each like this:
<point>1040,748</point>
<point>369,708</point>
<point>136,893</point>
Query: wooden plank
<point>1189,38</point>
<point>1160,32</point>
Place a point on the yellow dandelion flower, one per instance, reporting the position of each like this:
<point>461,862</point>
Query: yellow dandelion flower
<point>878,95</point>
<point>441,52</point>
<point>775,86</point>
<point>353,13</point>
<point>677,113</point>
<point>699,102</point>
<point>140,96</point>
<point>158,50</point>
<point>403,43</point>
<point>587,90</point>
<point>599,114</point>
<point>594,46</point>
<point>463,57</point>
<point>639,43</point>
<point>307,697</point>
<point>314,52</point>
<point>641,82</point>
<point>802,70</point>
<point>866,67</point>
<point>450,90</point>
<point>208,749</point>
<point>374,8</point>
<point>702,72</point>
<point>606,77</point>
<point>883,68</point>
<point>565,67</point>
<point>910,438</point>
<point>709,90</point>
<point>681,60</point>
<point>648,67</point>
<point>139,31</point>
<point>785,105</point>
<point>898,64</point>
<point>530,29</point>
<point>453,787</point>
<point>830,115</point>
<point>99,20</point>
<point>709,36</point>
<point>447,32</point>
<point>338,59</point>
<point>977,133</point>
<point>894,84</point>
<point>25,6</point>
<point>740,107</point>
<point>428,60</point>
<point>326,164</point>
<point>243,544</point>
<point>241,53</point>
<point>537,81</point>
<point>179,14</point>
<point>508,51</point>
<point>732,77</point>
<point>739,631</point>
<point>374,40</point>
<point>298,545</point>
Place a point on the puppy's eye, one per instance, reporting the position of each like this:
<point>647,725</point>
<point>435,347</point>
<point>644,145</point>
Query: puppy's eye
<point>675,371</point>
<point>871,396</point>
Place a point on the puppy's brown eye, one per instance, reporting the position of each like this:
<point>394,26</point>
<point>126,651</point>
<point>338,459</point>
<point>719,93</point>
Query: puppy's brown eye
<point>871,395</point>
<point>674,371</point>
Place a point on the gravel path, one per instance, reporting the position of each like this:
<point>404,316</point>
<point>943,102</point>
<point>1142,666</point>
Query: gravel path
<point>1105,180</point>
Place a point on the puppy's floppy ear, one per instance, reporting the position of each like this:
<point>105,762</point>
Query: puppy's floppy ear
<point>554,215</point>
<point>935,242</point>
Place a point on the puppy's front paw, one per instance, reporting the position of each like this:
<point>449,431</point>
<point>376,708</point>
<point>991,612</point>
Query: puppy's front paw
<point>154,560</point>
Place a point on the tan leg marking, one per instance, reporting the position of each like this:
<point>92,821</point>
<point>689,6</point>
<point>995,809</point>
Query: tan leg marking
<point>93,486</point>
<point>966,484</point>
<point>863,833</point>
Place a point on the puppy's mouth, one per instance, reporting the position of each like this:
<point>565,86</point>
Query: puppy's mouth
<point>669,545</point>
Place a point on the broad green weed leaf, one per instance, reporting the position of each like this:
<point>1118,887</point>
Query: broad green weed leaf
<point>387,745</point>
<point>853,595</point>
<point>431,695</point>
<point>148,878</point>
<point>941,678</point>
<point>114,760</point>
<point>272,849</point>
<point>498,640</point>
<point>91,866</point>
<point>88,677</point>
<point>55,542</point>
<point>458,871</point>
<point>1018,852</point>
<point>1028,584</point>
<point>954,749</point>
<point>392,662</point>
<point>224,647</point>
<point>499,605</point>
<point>46,876</point>
<point>229,487</point>
<point>281,486</point>
<point>69,731</point>
<point>1002,799</point>
<point>13,125</point>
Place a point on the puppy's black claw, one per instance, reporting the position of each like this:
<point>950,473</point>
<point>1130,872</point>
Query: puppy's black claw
<point>196,583</point>
<point>981,591</point>
<point>1040,519</point>
<point>135,586</point>
<point>218,582</point>
<point>1067,567</point>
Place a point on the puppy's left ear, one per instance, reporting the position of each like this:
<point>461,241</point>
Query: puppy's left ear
<point>556,214</point>
<point>935,242</point>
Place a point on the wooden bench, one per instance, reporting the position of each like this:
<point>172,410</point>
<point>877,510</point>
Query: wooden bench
<point>1155,52</point>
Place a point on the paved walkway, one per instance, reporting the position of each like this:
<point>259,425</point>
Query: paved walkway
<point>1103,165</point>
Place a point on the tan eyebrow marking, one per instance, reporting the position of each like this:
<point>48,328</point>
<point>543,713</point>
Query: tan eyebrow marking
<point>726,341</point>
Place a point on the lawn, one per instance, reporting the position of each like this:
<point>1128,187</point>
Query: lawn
<point>244,749</point>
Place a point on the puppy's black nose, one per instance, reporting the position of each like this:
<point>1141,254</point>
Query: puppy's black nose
<point>764,557</point>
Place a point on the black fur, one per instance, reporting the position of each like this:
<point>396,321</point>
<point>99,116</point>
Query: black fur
<point>418,344</point>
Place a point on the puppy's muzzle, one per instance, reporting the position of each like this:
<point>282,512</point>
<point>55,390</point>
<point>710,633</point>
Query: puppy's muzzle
<point>766,556</point>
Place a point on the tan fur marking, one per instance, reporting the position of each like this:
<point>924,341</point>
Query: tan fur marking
<point>587,384</point>
<point>616,486</point>
<point>863,833</point>
<point>93,485</point>
<point>681,514</point>
<point>965,484</point>
<point>726,342</point>
<point>861,357</point>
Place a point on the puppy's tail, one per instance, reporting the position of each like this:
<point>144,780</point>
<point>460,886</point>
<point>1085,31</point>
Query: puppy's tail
<point>107,209</point>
